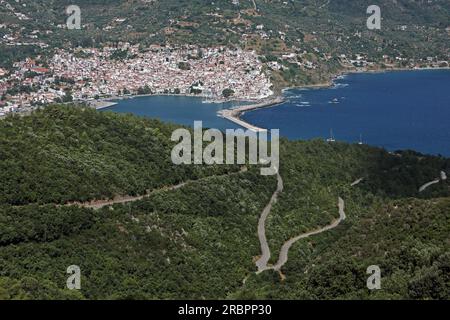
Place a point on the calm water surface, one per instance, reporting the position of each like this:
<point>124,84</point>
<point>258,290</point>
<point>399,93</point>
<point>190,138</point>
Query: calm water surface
<point>394,110</point>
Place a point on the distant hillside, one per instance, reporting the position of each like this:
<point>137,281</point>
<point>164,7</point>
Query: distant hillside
<point>324,29</point>
<point>199,241</point>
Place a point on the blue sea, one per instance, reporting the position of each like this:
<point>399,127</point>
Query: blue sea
<point>177,109</point>
<point>395,110</point>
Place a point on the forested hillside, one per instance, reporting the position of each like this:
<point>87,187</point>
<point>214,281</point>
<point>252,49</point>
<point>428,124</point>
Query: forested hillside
<point>199,241</point>
<point>71,155</point>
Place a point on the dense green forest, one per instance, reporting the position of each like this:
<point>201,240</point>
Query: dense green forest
<point>200,241</point>
<point>78,155</point>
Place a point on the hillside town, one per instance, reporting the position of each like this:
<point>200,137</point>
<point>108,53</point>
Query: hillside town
<point>216,74</point>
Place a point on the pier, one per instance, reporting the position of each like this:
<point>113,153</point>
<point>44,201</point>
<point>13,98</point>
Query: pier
<point>233,115</point>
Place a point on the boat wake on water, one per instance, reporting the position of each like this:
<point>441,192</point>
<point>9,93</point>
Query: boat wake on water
<point>340,85</point>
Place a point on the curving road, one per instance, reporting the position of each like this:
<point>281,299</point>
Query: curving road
<point>262,262</point>
<point>283,258</point>
<point>265,257</point>
<point>443,177</point>
<point>357,182</point>
<point>98,204</point>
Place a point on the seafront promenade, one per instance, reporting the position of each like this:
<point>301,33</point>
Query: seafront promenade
<point>234,114</point>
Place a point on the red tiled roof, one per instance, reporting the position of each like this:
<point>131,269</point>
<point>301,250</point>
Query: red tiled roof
<point>40,70</point>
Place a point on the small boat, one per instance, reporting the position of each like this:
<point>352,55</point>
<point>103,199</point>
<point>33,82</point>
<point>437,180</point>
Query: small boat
<point>335,101</point>
<point>331,139</point>
<point>360,140</point>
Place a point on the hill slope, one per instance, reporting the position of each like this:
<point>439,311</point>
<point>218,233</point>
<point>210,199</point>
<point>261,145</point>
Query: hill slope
<point>323,29</point>
<point>200,241</point>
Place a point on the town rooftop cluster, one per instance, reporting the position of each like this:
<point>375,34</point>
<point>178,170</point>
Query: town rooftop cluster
<point>89,73</point>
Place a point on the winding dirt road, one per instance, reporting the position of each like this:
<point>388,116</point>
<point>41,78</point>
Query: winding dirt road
<point>98,204</point>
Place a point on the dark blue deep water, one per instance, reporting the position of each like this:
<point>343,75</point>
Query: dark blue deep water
<point>394,110</point>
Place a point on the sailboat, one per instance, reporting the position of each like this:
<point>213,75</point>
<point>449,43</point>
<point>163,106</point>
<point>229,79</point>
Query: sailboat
<point>360,140</point>
<point>331,139</point>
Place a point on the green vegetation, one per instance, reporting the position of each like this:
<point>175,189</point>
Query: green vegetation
<point>144,90</point>
<point>200,241</point>
<point>119,55</point>
<point>79,154</point>
<point>227,92</point>
<point>184,65</point>
<point>407,239</point>
<point>387,225</point>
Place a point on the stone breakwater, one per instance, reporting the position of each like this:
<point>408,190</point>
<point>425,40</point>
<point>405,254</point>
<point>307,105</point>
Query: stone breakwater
<point>234,114</point>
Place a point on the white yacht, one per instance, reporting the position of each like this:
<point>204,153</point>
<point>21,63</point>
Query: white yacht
<point>331,139</point>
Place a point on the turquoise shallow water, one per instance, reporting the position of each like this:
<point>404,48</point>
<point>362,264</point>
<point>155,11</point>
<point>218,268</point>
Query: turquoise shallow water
<point>394,110</point>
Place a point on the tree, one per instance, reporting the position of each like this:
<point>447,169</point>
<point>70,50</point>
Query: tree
<point>184,65</point>
<point>68,96</point>
<point>227,92</point>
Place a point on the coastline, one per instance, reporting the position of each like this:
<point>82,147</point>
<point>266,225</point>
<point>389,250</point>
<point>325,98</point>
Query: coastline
<point>379,70</point>
<point>330,83</point>
<point>234,114</point>
<point>111,101</point>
